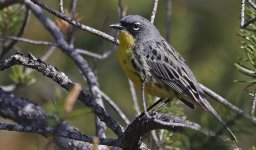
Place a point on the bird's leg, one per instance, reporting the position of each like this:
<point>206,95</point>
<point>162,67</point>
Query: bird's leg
<point>162,104</point>
<point>143,98</point>
<point>155,104</point>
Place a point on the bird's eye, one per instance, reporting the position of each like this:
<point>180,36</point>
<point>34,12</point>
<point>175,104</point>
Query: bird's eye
<point>136,26</point>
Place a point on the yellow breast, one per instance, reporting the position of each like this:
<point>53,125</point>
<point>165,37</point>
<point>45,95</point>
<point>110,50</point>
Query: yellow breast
<point>125,54</point>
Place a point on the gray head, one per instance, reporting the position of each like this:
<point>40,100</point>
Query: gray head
<point>137,26</point>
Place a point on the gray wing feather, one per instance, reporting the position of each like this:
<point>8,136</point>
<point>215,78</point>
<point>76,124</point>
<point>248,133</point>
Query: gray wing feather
<point>172,69</point>
<point>176,74</point>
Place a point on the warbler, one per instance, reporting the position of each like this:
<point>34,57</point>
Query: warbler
<point>147,59</point>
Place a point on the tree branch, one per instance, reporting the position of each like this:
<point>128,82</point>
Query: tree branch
<point>76,57</point>
<point>33,119</point>
<point>60,78</point>
<point>75,23</point>
<point>143,124</point>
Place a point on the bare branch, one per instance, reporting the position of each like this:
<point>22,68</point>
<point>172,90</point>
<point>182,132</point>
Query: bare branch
<point>95,55</point>
<point>75,23</point>
<point>66,133</point>
<point>252,4</point>
<point>156,140</point>
<point>115,107</point>
<point>142,124</point>
<point>33,118</point>
<point>34,42</point>
<point>60,78</point>
<point>253,106</point>
<point>154,10</point>
<point>227,104</point>
<point>61,6</point>
<point>76,57</point>
<point>243,23</point>
<point>134,97</point>
<point>48,53</point>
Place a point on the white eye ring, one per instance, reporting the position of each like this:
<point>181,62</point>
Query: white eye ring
<point>136,26</point>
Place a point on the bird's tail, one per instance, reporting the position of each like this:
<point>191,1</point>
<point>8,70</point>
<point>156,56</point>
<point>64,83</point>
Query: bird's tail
<point>209,108</point>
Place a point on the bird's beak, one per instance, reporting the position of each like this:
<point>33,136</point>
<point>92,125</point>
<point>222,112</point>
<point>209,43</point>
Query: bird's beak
<point>117,26</point>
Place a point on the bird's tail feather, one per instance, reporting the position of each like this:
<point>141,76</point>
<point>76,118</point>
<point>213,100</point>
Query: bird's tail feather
<point>217,116</point>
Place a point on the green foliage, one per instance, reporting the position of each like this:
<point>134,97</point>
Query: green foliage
<point>11,18</point>
<point>247,65</point>
<point>55,107</point>
<point>21,76</point>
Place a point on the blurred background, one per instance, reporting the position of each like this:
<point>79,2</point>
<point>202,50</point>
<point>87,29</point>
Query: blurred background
<point>204,32</point>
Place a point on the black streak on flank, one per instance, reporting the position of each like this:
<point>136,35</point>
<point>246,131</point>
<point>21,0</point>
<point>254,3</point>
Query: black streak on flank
<point>154,52</point>
<point>134,65</point>
<point>159,57</point>
<point>166,59</point>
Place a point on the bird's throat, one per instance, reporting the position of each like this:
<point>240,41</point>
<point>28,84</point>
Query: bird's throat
<point>126,39</point>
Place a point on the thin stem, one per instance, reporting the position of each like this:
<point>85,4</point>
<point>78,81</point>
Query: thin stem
<point>95,55</point>
<point>61,6</point>
<point>253,106</point>
<point>34,42</point>
<point>154,10</point>
<point>75,23</point>
<point>134,97</point>
<point>115,107</point>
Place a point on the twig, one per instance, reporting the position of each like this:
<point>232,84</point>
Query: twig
<point>252,4</point>
<point>115,107</point>
<point>72,31</point>
<point>156,140</point>
<point>48,53</point>
<point>242,19</point>
<point>34,42</point>
<point>134,97</point>
<point>61,6</point>
<point>168,20</point>
<point>72,7</point>
<point>253,106</point>
<point>95,55</point>
<point>75,23</point>
<point>243,23</point>
<point>224,102</point>
<point>154,10</point>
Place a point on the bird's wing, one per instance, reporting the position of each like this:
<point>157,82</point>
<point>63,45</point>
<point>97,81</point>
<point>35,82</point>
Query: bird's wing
<point>171,68</point>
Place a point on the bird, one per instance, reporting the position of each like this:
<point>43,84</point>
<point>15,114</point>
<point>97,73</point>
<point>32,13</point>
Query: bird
<point>157,68</point>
